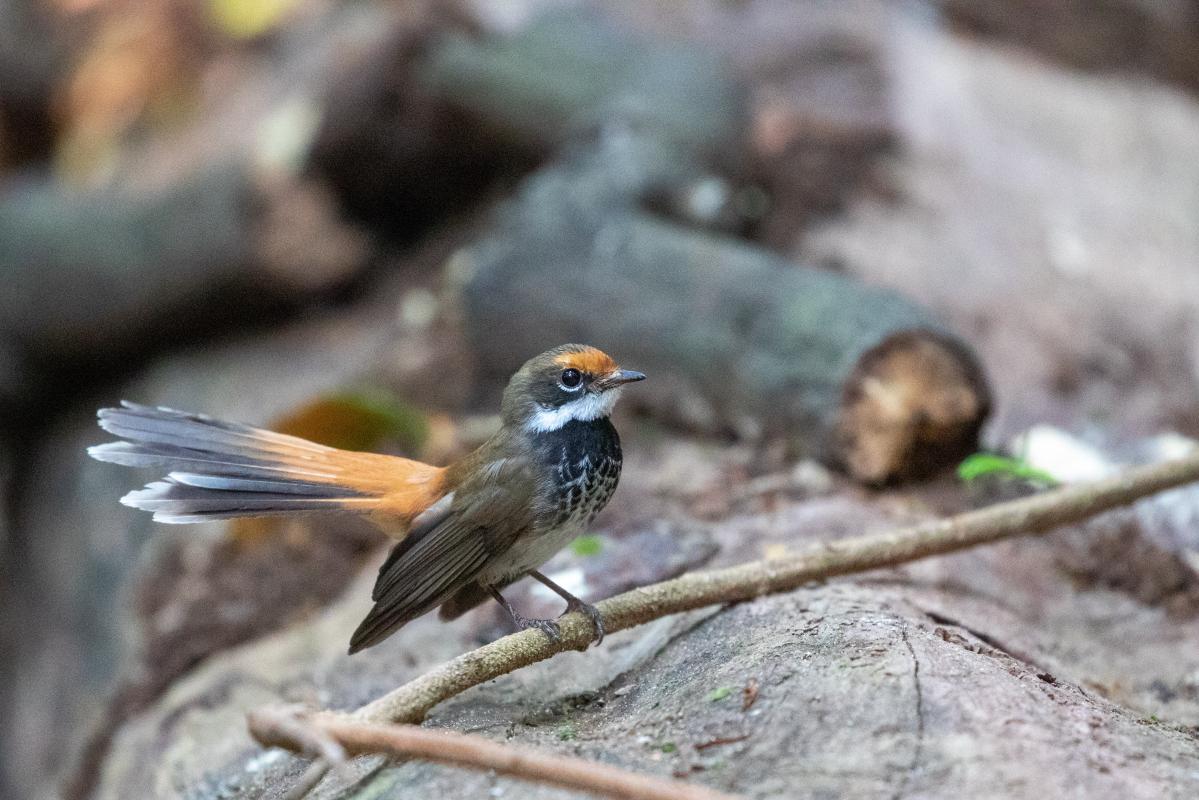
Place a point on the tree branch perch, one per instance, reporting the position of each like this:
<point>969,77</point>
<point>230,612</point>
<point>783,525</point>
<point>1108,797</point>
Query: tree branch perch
<point>1032,515</point>
<point>331,734</point>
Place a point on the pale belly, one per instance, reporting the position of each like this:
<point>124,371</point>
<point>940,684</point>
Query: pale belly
<point>530,552</point>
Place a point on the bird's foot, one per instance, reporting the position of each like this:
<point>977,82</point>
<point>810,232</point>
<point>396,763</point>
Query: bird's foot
<point>592,613</point>
<point>547,626</point>
<point>523,623</point>
<point>574,604</point>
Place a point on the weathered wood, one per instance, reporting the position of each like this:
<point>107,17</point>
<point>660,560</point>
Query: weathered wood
<point>912,404</point>
<point>602,245</point>
<point>400,155</point>
<point>79,267</point>
<point>201,228</point>
<point>91,279</point>
<point>735,338</point>
<point>572,72</point>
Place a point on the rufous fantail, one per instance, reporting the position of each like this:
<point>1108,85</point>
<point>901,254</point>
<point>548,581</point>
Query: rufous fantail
<point>465,531</point>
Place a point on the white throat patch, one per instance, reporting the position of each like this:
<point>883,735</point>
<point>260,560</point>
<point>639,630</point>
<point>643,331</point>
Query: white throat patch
<point>584,409</point>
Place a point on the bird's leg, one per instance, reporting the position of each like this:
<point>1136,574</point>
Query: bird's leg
<point>546,626</point>
<point>574,604</point>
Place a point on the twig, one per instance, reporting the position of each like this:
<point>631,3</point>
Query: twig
<point>284,728</point>
<point>721,741</point>
<point>1031,515</point>
<point>294,724</point>
<point>315,773</point>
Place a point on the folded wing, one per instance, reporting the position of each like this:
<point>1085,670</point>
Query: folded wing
<point>447,549</point>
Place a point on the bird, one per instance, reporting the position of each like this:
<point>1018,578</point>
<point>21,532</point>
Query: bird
<point>465,531</point>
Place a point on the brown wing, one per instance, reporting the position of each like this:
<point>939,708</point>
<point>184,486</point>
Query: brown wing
<point>468,597</point>
<point>447,549</point>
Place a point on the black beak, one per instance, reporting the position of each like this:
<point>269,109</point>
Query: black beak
<point>616,378</point>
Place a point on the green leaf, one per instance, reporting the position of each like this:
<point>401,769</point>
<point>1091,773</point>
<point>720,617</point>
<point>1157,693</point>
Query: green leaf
<point>589,545</point>
<point>716,695</point>
<point>982,465</point>
<point>668,747</point>
<point>566,733</point>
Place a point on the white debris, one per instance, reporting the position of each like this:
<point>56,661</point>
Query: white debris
<point>1064,456</point>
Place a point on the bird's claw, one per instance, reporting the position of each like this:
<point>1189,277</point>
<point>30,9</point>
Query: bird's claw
<point>592,613</point>
<point>547,626</point>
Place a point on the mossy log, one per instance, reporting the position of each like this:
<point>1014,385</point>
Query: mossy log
<point>86,272</point>
<point>733,337</point>
<point>740,339</point>
<point>595,248</point>
<point>570,72</point>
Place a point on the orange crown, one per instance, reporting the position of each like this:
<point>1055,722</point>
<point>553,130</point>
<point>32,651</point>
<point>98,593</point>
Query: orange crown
<point>588,360</point>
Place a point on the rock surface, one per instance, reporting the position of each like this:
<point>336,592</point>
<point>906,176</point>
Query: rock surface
<point>966,673</point>
<point>1151,39</point>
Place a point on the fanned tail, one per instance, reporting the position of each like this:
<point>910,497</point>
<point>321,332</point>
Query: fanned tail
<point>221,470</point>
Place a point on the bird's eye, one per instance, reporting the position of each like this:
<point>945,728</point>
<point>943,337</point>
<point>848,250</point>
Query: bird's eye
<point>571,378</point>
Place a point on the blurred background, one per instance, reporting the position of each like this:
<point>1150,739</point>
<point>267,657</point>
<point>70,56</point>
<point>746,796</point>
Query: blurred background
<point>851,241</point>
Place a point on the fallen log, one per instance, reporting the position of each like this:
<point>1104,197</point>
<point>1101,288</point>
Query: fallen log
<point>736,338</point>
<point>91,278</point>
<point>203,227</point>
<point>611,243</point>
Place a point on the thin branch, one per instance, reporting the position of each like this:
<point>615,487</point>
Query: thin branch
<point>312,776</point>
<point>330,733</point>
<point>409,703</point>
<point>1031,515</point>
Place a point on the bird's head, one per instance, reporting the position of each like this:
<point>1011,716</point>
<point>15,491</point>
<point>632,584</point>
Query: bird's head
<point>571,382</point>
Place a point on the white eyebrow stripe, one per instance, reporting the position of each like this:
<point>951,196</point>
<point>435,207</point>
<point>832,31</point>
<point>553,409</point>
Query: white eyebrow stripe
<point>583,409</point>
